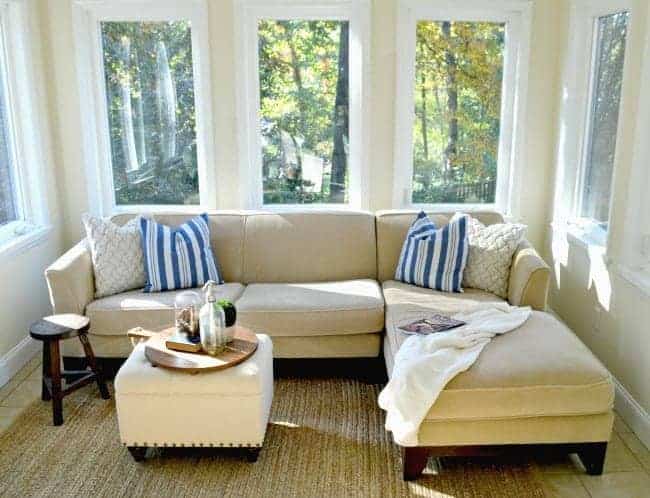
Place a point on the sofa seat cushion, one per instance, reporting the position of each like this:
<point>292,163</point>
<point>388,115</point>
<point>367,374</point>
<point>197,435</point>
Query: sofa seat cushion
<point>540,369</point>
<point>312,309</point>
<point>115,315</point>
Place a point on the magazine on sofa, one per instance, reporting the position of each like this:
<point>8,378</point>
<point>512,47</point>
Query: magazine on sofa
<point>432,324</point>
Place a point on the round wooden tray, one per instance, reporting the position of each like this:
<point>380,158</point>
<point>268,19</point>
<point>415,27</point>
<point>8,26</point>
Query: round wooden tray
<point>242,347</point>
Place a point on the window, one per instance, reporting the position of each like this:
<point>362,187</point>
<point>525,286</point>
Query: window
<point>148,136</point>
<point>594,85</point>
<point>302,74</point>
<point>23,205</point>
<point>151,111</point>
<point>602,118</point>
<point>458,80</point>
<point>460,91</point>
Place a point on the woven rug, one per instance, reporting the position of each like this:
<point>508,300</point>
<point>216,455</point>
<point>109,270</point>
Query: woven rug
<point>326,438</point>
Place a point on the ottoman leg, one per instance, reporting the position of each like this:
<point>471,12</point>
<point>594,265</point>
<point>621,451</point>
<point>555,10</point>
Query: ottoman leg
<point>593,457</point>
<point>414,462</point>
<point>252,454</point>
<point>138,452</point>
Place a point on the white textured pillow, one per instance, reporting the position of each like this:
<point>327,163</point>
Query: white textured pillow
<point>118,261</point>
<point>490,255</point>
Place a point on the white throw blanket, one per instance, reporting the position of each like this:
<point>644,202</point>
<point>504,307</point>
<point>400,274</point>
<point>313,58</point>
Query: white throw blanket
<point>425,364</point>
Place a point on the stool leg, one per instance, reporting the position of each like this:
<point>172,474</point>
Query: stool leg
<point>45,372</point>
<point>55,375</point>
<point>90,358</point>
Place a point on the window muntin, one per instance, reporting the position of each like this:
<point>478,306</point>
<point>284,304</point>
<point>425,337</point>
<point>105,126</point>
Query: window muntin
<point>149,83</point>
<point>602,124</point>
<point>459,69</point>
<point>304,96</point>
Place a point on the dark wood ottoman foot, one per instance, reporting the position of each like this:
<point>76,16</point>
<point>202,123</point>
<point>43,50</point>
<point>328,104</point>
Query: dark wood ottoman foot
<point>414,460</point>
<point>138,452</point>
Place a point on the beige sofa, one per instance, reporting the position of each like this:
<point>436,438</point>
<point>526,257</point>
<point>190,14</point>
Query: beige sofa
<point>309,280</point>
<point>321,285</point>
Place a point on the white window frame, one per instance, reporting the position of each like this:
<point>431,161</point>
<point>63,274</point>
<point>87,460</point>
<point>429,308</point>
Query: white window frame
<point>635,262</point>
<point>578,79</point>
<point>26,141</point>
<point>247,16</point>
<point>87,16</point>
<point>511,154</point>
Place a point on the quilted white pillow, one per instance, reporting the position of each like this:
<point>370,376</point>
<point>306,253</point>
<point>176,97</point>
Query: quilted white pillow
<point>491,249</point>
<point>118,260</point>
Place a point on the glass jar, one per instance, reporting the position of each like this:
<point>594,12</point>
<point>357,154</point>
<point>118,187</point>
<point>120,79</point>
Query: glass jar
<point>187,306</point>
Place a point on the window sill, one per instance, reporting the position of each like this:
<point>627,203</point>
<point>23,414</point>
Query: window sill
<point>586,235</point>
<point>22,243</point>
<point>292,208</point>
<point>638,277</point>
<point>577,236</point>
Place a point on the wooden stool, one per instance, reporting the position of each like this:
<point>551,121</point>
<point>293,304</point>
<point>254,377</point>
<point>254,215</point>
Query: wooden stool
<point>51,330</point>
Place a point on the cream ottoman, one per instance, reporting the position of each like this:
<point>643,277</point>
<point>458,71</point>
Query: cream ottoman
<point>227,408</point>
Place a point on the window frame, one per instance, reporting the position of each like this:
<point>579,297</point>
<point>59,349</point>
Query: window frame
<point>87,16</point>
<point>247,15</point>
<point>635,262</point>
<point>25,130</point>
<point>517,16</point>
<point>578,81</point>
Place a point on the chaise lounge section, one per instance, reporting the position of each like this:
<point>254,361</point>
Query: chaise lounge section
<point>537,385</point>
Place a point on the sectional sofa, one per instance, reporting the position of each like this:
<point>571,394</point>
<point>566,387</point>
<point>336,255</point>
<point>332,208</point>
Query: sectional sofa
<point>321,285</point>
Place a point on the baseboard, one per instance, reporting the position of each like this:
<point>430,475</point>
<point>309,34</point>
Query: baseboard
<point>16,358</point>
<point>632,413</point>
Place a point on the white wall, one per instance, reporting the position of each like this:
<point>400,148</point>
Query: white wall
<point>606,311</point>
<point>23,293</point>
<point>539,125</point>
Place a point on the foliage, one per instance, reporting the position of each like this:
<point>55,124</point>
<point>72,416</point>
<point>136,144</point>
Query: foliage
<point>459,71</point>
<point>151,111</point>
<point>300,63</point>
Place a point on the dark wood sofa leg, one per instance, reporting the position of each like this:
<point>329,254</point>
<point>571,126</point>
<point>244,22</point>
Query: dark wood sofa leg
<point>414,460</point>
<point>138,452</point>
<point>252,454</point>
<point>593,457</point>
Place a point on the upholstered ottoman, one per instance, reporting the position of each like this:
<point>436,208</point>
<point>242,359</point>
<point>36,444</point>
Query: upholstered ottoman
<point>226,408</point>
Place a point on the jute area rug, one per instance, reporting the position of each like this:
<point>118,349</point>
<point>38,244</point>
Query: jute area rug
<point>326,438</point>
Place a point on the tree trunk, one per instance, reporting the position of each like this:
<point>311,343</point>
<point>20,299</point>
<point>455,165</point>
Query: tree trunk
<point>138,108</point>
<point>126,115</point>
<point>297,80</point>
<point>341,120</point>
<point>451,150</point>
<point>166,103</point>
<point>423,114</point>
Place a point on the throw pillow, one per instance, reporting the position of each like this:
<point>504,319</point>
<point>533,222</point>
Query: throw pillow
<point>116,251</point>
<point>434,258</point>
<point>178,257</point>
<point>491,249</point>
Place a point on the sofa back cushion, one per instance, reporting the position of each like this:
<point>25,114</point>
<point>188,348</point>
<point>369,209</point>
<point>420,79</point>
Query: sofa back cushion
<point>309,247</point>
<point>226,237</point>
<point>392,227</point>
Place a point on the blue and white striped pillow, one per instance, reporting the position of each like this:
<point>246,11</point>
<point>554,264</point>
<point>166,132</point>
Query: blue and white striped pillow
<point>179,257</point>
<point>434,258</point>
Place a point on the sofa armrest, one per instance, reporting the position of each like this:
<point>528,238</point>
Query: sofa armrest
<point>529,278</point>
<point>70,280</point>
